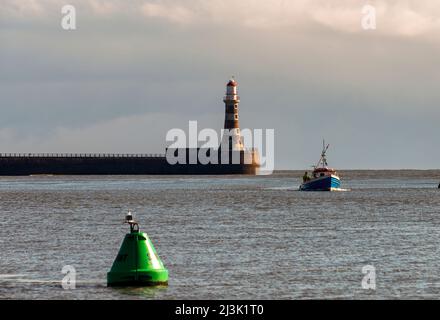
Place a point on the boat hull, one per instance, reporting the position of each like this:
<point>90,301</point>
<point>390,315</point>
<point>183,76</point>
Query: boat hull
<point>327,183</point>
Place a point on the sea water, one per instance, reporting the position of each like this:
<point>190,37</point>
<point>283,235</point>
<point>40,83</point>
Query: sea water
<point>225,237</point>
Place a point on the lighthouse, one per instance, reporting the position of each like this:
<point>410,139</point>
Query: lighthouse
<point>231,137</point>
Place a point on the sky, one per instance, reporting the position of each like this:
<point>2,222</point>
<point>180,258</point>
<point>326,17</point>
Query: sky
<point>132,70</point>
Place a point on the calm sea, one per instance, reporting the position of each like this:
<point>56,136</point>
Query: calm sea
<point>231,237</point>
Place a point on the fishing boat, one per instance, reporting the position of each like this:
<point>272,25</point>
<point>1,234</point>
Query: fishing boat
<point>323,178</point>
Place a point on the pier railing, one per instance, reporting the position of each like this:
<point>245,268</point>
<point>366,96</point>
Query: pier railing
<point>81,155</point>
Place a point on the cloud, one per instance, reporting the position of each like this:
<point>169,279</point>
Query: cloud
<point>105,8</point>
<point>22,9</point>
<point>397,18</point>
<point>406,20</point>
<point>174,13</point>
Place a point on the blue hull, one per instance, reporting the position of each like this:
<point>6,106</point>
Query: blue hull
<point>321,184</point>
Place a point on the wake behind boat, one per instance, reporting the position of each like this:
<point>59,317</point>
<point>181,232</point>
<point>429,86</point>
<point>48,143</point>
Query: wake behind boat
<point>323,178</point>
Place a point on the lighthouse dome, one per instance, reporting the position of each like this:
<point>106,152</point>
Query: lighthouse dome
<point>232,83</point>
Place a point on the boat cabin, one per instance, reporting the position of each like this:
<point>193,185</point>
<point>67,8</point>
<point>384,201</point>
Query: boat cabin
<point>322,172</point>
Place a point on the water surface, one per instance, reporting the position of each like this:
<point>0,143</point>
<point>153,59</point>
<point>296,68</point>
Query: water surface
<point>230,237</point>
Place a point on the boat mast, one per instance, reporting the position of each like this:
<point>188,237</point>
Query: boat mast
<point>323,159</point>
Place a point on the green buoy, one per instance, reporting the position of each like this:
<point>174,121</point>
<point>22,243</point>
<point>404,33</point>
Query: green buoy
<point>137,262</point>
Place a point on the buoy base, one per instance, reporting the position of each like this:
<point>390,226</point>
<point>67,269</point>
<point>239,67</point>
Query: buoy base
<point>137,279</point>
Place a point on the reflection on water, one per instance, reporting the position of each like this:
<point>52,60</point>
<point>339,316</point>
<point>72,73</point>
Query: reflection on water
<point>141,292</point>
<point>224,237</point>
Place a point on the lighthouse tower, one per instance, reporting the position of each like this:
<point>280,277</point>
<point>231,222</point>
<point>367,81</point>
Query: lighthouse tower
<point>231,138</point>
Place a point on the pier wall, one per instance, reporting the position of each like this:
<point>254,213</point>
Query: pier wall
<point>112,164</point>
